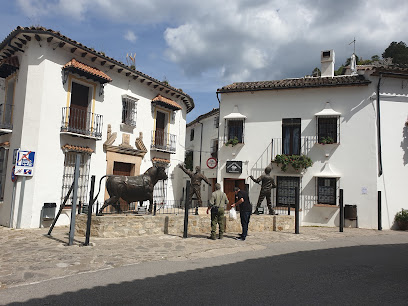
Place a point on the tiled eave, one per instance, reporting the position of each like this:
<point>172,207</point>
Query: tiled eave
<point>214,111</point>
<point>392,71</point>
<point>88,71</point>
<point>317,82</point>
<point>165,102</point>
<point>19,37</point>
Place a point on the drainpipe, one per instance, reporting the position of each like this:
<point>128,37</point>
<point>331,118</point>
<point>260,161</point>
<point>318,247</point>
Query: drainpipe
<point>219,113</point>
<point>201,141</point>
<point>380,170</point>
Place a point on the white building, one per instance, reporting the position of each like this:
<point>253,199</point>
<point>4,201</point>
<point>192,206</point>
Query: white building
<point>202,148</point>
<point>363,117</point>
<point>59,98</point>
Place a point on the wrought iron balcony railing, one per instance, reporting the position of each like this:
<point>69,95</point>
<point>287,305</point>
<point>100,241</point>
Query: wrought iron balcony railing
<point>6,116</point>
<point>163,141</point>
<point>81,122</point>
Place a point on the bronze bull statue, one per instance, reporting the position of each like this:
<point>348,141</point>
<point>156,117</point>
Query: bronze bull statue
<point>132,188</point>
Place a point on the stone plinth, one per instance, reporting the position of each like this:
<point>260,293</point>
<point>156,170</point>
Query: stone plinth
<point>112,226</point>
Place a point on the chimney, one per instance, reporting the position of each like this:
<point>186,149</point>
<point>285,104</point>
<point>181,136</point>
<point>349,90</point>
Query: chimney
<point>327,60</point>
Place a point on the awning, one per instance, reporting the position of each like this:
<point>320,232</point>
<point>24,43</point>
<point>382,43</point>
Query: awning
<point>8,66</point>
<point>235,114</point>
<point>328,111</point>
<point>327,171</point>
<point>86,71</point>
<point>165,102</point>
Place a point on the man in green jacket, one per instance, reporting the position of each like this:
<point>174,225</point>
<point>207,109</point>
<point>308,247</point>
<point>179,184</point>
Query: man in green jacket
<point>217,206</point>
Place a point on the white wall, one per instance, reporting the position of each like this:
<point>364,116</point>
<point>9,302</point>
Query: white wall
<point>355,158</point>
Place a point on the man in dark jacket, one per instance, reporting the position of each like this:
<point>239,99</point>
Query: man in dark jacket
<point>245,208</point>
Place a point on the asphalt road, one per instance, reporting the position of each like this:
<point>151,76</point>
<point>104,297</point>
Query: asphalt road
<point>356,275</point>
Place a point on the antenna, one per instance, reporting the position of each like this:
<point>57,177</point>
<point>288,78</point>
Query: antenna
<point>353,42</point>
<point>131,59</point>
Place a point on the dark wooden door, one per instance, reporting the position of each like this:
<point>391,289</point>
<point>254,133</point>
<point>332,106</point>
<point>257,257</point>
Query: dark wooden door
<point>229,185</point>
<point>160,125</point>
<point>78,114</point>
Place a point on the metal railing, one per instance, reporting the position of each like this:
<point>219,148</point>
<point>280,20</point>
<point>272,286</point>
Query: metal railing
<point>172,207</point>
<point>163,141</point>
<point>81,122</point>
<point>6,116</point>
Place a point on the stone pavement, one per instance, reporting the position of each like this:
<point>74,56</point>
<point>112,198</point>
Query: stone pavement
<point>29,256</point>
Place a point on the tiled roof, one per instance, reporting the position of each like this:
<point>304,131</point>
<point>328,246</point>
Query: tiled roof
<point>79,149</point>
<point>13,42</point>
<point>308,82</point>
<point>166,102</point>
<point>75,65</point>
<point>397,70</point>
<point>214,111</point>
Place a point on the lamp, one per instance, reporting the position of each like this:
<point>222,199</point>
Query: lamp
<point>65,76</point>
<point>101,89</point>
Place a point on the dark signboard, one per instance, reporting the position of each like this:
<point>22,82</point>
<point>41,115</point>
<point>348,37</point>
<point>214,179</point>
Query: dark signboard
<point>234,166</point>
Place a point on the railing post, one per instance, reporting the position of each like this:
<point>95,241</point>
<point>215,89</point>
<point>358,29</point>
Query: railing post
<point>154,208</point>
<point>341,211</point>
<point>379,211</point>
<point>90,204</point>
<point>186,208</point>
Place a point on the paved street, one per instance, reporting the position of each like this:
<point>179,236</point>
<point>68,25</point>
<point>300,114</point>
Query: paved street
<point>33,265</point>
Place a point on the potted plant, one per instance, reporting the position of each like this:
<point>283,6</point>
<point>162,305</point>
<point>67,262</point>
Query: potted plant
<point>298,162</point>
<point>233,141</point>
<point>326,140</point>
<point>401,218</point>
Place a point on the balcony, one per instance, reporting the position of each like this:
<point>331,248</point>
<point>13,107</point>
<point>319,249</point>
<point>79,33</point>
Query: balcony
<point>6,115</point>
<point>81,123</point>
<point>162,141</point>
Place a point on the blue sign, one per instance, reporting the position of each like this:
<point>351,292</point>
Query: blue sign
<point>25,163</point>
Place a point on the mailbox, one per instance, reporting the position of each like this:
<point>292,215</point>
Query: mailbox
<point>48,211</point>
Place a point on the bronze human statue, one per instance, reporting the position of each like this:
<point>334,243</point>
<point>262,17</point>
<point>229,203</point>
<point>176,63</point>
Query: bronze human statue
<point>196,179</point>
<point>267,184</point>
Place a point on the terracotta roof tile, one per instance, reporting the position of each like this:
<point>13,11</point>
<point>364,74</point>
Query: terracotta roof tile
<point>167,102</point>
<point>87,69</point>
<point>79,149</point>
<point>309,82</point>
<point>160,160</point>
<point>214,111</point>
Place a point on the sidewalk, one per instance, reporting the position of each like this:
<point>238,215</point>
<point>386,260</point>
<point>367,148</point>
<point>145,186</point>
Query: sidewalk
<point>28,255</point>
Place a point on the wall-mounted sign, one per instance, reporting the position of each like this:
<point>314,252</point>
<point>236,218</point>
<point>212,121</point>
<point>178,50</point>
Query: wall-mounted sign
<point>234,166</point>
<point>211,163</point>
<point>25,163</point>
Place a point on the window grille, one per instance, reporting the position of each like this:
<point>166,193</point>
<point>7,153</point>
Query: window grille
<point>285,194</point>
<point>327,129</point>
<point>235,128</point>
<point>160,192</point>
<point>3,165</point>
<point>129,111</point>
<point>326,190</point>
<point>68,177</point>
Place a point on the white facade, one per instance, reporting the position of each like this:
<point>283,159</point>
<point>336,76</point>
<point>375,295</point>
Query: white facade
<point>42,94</point>
<point>202,140</point>
<point>352,162</point>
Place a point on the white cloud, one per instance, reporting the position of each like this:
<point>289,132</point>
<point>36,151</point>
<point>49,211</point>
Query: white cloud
<point>130,36</point>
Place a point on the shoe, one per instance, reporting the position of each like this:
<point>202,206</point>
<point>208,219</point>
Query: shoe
<point>240,238</point>
<point>221,236</point>
<point>212,238</point>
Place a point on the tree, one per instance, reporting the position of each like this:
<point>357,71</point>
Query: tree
<point>398,52</point>
<point>316,72</point>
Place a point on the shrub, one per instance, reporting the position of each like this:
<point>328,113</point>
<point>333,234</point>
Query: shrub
<point>298,162</point>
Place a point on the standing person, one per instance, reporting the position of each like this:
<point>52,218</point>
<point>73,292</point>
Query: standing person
<point>217,205</point>
<point>267,184</point>
<point>245,208</point>
<point>196,179</point>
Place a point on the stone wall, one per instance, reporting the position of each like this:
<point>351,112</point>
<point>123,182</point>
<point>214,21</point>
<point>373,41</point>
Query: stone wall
<point>111,226</point>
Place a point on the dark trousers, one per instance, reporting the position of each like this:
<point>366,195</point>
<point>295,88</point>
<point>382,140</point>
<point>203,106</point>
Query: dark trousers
<point>245,216</point>
<point>262,196</point>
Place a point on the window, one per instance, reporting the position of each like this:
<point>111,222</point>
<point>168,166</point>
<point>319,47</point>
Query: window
<point>188,160</point>
<point>326,190</point>
<point>285,191</point>
<point>3,166</point>
<point>191,134</point>
<point>129,110</point>
<point>235,128</point>
<point>216,122</point>
<point>214,148</point>
<point>291,136</point>
<point>327,130</point>
<point>68,177</point>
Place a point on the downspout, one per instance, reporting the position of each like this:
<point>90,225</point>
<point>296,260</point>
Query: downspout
<point>201,141</point>
<point>380,170</point>
<point>219,113</point>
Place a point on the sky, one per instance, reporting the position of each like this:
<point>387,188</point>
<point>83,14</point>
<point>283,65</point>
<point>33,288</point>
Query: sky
<point>200,46</point>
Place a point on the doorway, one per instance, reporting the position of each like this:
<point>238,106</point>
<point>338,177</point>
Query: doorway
<point>229,185</point>
<point>124,169</point>
<point>160,126</point>
<point>78,114</point>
